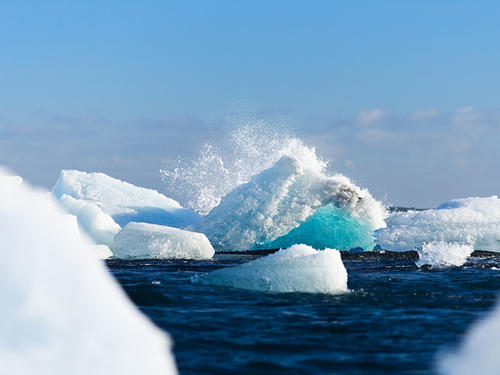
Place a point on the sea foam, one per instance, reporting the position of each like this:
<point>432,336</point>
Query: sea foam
<point>442,254</point>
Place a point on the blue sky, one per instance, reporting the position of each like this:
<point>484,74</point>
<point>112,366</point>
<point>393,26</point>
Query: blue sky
<point>402,95</point>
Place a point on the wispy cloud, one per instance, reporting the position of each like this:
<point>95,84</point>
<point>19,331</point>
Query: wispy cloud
<point>421,158</point>
<point>368,117</point>
<point>424,114</point>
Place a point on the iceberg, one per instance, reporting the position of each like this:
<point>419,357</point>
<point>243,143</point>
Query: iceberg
<point>102,251</point>
<point>99,226</point>
<point>478,353</point>
<point>297,269</point>
<point>442,254</point>
<point>145,241</point>
<point>294,202</point>
<point>71,226</point>
<point>11,179</point>
<point>62,312</point>
<point>123,201</point>
<point>474,221</point>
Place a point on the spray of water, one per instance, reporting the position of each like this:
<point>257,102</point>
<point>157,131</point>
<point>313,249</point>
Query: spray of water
<point>201,182</point>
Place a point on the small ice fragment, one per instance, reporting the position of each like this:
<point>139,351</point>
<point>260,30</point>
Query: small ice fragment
<point>145,241</point>
<point>442,254</point>
<point>297,269</point>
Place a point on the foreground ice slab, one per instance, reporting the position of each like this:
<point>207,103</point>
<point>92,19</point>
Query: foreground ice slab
<point>474,221</point>
<point>99,226</point>
<point>294,202</point>
<point>102,251</point>
<point>297,269</point>
<point>442,254</point>
<point>12,180</point>
<point>478,354</point>
<point>123,201</point>
<point>145,241</point>
<point>71,226</point>
<point>62,312</point>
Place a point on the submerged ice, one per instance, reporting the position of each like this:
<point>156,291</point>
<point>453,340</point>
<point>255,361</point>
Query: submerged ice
<point>473,221</point>
<point>293,202</point>
<point>62,312</point>
<point>297,269</point>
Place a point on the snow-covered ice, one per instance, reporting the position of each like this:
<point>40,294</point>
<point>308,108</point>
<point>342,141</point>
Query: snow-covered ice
<point>474,221</point>
<point>99,226</point>
<point>122,200</point>
<point>62,312</point>
<point>144,241</point>
<point>297,269</point>
<point>294,192</point>
<point>442,254</point>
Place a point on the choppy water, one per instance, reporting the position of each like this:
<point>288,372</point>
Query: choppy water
<point>397,319</point>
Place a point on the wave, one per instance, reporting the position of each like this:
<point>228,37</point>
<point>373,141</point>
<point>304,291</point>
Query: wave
<point>275,194</point>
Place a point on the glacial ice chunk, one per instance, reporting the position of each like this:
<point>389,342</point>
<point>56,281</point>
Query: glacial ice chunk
<point>99,226</point>
<point>269,211</point>
<point>297,269</point>
<point>62,312</point>
<point>71,226</point>
<point>328,227</point>
<point>11,179</point>
<point>474,221</point>
<point>122,200</point>
<point>145,241</point>
<point>442,254</point>
<point>102,251</point>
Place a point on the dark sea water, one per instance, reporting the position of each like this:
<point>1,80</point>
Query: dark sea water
<point>396,319</point>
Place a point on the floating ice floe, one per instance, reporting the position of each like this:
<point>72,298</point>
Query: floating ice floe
<point>62,312</point>
<point>442,254</point>
<point>124,202</point>
<point>144,241</point>
<point>478,353</point>
<point>294,202</point>
<point>297,269</point>
<point>474,221</point>
<point>99,226</point>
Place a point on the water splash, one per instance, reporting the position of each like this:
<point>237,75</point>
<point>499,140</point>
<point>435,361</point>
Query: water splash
<point>201,182</point>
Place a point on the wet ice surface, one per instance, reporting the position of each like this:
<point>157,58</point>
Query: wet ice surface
<point>396,319</point>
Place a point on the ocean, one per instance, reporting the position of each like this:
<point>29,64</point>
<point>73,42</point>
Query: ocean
<point>396,318</point>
